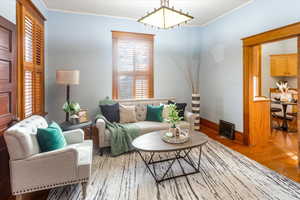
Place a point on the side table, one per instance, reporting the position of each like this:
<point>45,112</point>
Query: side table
<point>67,126</point>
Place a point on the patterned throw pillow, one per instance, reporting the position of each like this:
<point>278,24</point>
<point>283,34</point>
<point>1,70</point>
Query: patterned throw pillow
<point>141,112</point>
<point>111,112</point>
<point>127,114</point>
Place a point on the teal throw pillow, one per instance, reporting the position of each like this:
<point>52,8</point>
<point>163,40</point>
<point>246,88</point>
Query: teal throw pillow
<point>51,138</point>
<point>154,113</point>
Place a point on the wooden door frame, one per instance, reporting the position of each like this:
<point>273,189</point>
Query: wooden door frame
<point>249,44</point>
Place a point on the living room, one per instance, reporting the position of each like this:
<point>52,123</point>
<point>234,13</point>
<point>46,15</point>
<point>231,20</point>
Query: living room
<point>180,80</point>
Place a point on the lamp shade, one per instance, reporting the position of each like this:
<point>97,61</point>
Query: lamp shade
<point>67,77</point>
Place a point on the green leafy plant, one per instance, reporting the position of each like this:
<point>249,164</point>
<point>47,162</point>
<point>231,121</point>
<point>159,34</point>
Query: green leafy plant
<point>72,107</point>
<point>173,115</point>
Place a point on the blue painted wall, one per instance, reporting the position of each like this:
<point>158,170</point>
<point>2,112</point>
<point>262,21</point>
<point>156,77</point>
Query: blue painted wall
<point>84,42</point>
<point>221,71</point>
<point>8,9</point>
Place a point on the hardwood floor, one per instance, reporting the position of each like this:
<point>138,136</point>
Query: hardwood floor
<point>279,155</point>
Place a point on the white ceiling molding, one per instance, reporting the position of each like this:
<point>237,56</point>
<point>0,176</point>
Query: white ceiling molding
<point>227,13</point>
<point>205,12</point>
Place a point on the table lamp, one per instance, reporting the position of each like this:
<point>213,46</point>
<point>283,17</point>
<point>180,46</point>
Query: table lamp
<point>67,77</point>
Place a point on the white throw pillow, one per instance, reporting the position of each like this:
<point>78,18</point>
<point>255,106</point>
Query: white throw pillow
<point>127,114</point>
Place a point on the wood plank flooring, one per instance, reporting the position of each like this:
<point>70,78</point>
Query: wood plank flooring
<point>279,155</point>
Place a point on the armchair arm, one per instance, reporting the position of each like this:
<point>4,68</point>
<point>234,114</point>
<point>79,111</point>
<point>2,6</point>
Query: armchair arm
<point>44,169</point>
<point>190,117</point>
<point>100,124</point>
<point>67,151</point>
<point>74,136</point>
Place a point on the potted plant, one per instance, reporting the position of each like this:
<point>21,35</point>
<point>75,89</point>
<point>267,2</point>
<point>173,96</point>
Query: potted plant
<point>173,119</point>
<point>72,108</point>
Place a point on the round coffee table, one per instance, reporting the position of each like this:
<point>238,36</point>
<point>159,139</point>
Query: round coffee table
<point>152,143</point>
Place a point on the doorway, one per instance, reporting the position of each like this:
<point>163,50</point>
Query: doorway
<point>257,114</point>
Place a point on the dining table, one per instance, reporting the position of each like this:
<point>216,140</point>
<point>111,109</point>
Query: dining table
<point>284,104</point>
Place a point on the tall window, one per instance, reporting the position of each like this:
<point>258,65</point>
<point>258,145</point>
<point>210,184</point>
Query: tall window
<point>132,65</point>
<point>31,41</point>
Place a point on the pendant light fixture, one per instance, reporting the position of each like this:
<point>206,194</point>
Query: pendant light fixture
<point>165,17</point>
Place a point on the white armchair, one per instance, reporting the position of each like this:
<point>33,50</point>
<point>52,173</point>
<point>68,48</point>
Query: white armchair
<point>31,170</point>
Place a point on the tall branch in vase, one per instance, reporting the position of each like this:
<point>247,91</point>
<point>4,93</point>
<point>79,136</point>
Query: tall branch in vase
<point>191,71</point>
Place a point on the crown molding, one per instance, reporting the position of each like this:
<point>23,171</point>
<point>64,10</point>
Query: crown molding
<point>227,13</point>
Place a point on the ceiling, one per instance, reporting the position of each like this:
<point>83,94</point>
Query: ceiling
<point>204,11</point>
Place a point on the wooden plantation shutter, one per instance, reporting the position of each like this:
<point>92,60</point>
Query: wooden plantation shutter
<point>31,40</point>
<point>28,64</point>
<point>39,69</point>
<point>132,65</point>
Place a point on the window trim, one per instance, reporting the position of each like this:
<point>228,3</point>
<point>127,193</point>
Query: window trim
<point>116,73</point>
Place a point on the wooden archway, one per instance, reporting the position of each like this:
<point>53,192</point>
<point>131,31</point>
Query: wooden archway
<point>251,59</point>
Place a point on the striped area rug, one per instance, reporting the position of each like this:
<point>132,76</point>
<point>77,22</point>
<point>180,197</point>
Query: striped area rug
<point>225,175</point>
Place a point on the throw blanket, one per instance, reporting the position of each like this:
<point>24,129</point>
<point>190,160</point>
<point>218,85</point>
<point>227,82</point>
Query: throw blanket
<point>122,136</point>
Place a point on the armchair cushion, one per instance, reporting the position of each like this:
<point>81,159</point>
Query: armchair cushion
<point>51,138</point>
<point>74,136</point>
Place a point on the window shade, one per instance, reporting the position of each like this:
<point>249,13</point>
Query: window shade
<point>133,65</point>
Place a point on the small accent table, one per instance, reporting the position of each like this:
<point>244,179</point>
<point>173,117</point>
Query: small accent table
<point>152,143</point>
<point>67,126</point>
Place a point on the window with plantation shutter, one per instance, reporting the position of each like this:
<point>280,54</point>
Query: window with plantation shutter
<point>132,65</point>
<point>32,62</point>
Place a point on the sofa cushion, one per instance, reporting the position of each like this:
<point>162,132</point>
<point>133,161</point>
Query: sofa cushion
<point>127,114</point>
<point>150,126</point>
<point>51,138</point>
<point>111,112</point>
<point>154,113</point>
<point>21,138</point>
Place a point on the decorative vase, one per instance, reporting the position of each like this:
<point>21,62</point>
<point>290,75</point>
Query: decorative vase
<point>177,132</point>
<point>196,110</point>
<point>173,131</point>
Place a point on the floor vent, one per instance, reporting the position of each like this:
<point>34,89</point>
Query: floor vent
<point>227,129</point>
